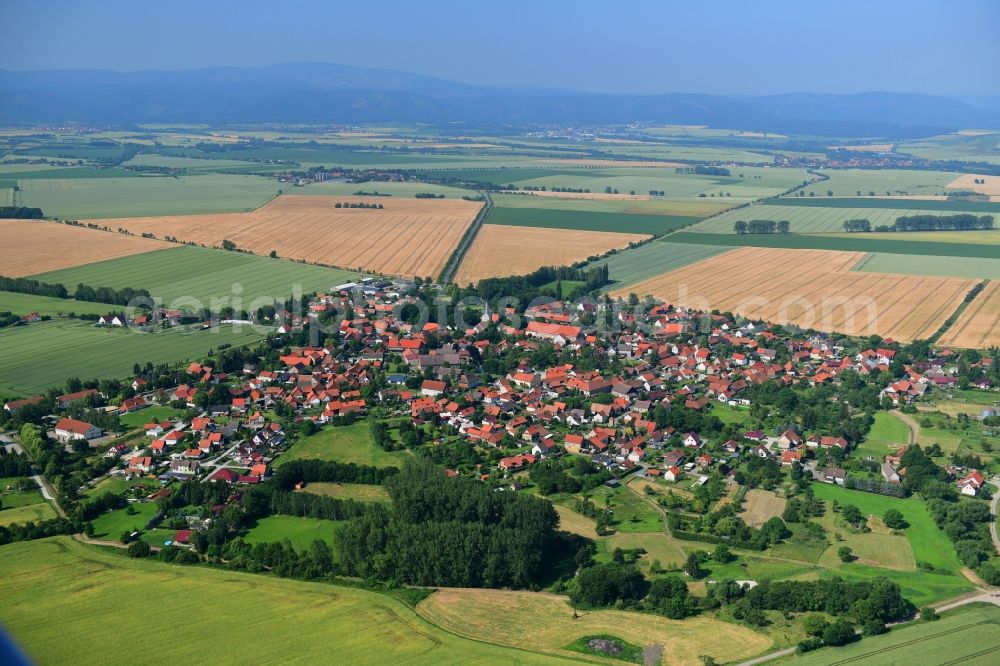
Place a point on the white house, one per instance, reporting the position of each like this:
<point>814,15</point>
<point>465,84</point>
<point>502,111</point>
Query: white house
<point>70,429</point>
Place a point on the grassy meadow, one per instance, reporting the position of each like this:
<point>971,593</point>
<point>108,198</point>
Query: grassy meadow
<point>636,264</point>
<point>38,356</point>
<point>95,597</point>
<point>300,532</point>
<point>360,492</point>
<point>887,434</point>
<point>189,277</point>
<point>348,444</point>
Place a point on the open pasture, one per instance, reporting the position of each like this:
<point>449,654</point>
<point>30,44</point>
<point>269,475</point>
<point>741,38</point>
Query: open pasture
<point>979,325</point>
<point>25,513</point>
<point>95,598</point>
<point>815,219</point>
<point>408,237</point>
<point>300,532</point>
<point>190,277</point>
<point>38,356</point>
<point>35,246</point>
<point>89,198</point>
<point>544,622</point>
<point>811,289</point>
<point>356,491</point>
<point>501,250</point>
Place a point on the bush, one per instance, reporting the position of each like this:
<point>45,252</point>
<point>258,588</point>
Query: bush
<point>841,632</point>
<point>809,644</point>
<point>894,519</point>
<point>928,614</point>
<point>138,549</point>
<point>846,554</point>
<point>873,628</point>
<point>814,624</point>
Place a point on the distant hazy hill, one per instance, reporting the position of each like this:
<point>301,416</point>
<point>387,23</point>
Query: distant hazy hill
<point>329,93</point>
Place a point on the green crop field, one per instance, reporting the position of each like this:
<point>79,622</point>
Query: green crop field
<point>945,266</point>
<point>625,206</point>
<point>636,264</point>
<point>26,173</point>
<point>85,198</point>
<point>398,190</point>
<point>985,236</point>
<point>96,597</point>
<point>966,635</point>
<point>812,219</point>
<point>552,218</point>
<point>349,444</point>
<point>923,205</point>
<point>848,182</point>
<point>36,357</point>
<point>192,276</point>
<point>53,307</point>
<point>301,532</point>
<point>847,242</point>
<point>983,147</point>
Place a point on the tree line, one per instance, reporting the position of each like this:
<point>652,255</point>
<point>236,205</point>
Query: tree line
<point>21,212</point>
<point>82,293</point>
<point>958,222</point>
<point>761,227</point>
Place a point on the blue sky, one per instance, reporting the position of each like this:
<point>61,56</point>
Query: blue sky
<point>719,46</point>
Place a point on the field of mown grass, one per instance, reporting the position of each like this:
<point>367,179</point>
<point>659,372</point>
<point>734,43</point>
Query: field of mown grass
<point>584,220</point>
<point>634,265</point>
<point>942,266</point>
<point>841,242</point>
<point>96,597</point>
<point>109,526</point>
<point>545,622</point>
<point>301,532</point>
<point>348,444</point>
<point>188,276</point>
<point>887,434</point>
<point>26,513</point>
<point>361,492</point>
<point>761,505</point>
<point>38,356</point>
<point>603,203</point>
<point>813,219</point>
<point>88,198</point>
<point>966,635</point>
<point>148,415</point>
<point>929,544</point>
<point>24,303</point>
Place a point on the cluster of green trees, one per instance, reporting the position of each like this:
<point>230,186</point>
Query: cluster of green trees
<point>428,195</point>
<point>363,205</point>
<point>564,475</point>
<point>725,527</point>
<point>959,222</point>
<point>705,170</point>
<point>967,524</point>
<point>449,531</point>
<point>527,287</point>
<point>21,212</point>
<point>83,292</point>
<point>761,227</point>
<point>860,225</point>
<point>13,464</point>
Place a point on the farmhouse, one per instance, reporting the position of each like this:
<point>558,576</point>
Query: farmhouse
<point>70,429</point>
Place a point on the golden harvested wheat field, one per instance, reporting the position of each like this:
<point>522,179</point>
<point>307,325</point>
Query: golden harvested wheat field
<point>968,182</point>
<point>409,237</point>
<point>812,289</point>
<point>36,246</point>
<point>545,622</point>
<point>501,250</point>
<point>979,324</point>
